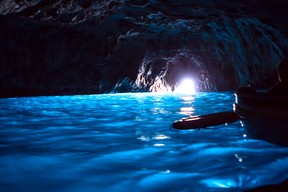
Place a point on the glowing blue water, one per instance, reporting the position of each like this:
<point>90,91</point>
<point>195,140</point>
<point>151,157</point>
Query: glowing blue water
<point>123,143</point>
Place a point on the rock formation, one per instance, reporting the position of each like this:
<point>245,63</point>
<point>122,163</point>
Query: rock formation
<point>100,46</point>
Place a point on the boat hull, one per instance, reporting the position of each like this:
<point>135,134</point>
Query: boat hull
<point>263,117</point>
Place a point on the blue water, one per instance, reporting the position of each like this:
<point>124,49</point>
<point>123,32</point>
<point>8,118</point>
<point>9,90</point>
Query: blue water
<point>123,142</point>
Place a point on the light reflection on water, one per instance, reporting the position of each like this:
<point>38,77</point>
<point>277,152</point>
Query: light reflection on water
<point>123,142</point>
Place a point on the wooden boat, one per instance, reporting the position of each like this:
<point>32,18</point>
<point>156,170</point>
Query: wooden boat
<point>263,117</point>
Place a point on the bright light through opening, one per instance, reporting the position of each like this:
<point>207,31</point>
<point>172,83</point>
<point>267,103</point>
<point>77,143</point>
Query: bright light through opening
<point>187,86</point>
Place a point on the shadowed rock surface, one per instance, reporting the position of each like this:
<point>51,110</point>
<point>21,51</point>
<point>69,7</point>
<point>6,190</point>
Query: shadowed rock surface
<point>87,46</point>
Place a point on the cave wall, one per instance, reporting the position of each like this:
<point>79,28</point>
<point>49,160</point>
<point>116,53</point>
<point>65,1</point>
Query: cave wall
<point>85,47</point>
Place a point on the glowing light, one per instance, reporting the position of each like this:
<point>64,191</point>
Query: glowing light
<point>161,137</point>
<point>159,145</point>
<point>186,110</point>
<point>167,171</point>
<point>187,86</point>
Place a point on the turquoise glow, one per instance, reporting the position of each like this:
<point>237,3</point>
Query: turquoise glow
<point>123,142</point>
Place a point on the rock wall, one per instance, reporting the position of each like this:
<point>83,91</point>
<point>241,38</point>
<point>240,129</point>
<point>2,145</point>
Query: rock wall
<point>88,46</point>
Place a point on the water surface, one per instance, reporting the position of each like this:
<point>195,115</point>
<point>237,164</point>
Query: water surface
<point>123,142</point>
